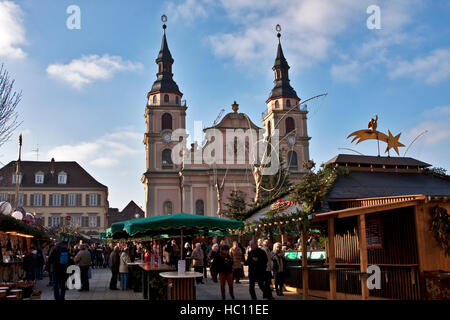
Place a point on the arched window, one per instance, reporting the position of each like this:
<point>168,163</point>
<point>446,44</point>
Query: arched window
<point>292,159</point>
<point>39,178</point>
<point>269,128</point>
<point>166,121</point>
<point>62,178</point>
<point>200,207</point>
<point>166,98</point>
<point>167,207</point>
<point>277,104</point>
<point>290,125</point>
<point>288,103</point>
<point>177,100</point>
<point>167,156</point>
<point>154,99</point>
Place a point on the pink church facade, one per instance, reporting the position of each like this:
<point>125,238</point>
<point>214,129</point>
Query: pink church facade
<point>180,178</point>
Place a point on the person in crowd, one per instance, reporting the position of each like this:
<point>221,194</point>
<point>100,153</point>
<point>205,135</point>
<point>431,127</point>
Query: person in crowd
<point>278,268</point>
<point>198,260</point>
<point>147,256</point>
<point>49,267</point>
<point>114,264</point>
<point>93,252</point>
<point>205,260</point>
<point>59,259</point>
<point>268,273</point>
<point>168,253</point>
<point>209,249</point>
<point>187,255</point>
<point>213,261</point>
<point>242,275</point>
<point>225,270</point>
<point>132,251</point>
<point>30,264</point>
<point>237,256</point>
<point>176,253</point>
<point>40,264</point>
<point>106,253</point>
<point>123,268</point>
<point>257,266</point>
<point>99,253</point>
<point>83,260</point>
<point>314,244</point>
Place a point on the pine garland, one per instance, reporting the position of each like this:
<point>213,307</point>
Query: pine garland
<point>440,226</point>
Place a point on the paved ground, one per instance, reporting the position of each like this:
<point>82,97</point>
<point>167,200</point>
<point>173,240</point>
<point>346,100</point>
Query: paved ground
<point>99,290</point>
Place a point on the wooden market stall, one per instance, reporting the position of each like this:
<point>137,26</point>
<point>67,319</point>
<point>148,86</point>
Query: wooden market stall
<point>380,215</point>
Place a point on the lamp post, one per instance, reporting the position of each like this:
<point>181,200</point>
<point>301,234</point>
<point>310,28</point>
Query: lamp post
<point>18,172</point>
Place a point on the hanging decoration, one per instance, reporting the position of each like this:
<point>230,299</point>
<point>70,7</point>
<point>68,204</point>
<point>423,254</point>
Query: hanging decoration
<point>440,226</point>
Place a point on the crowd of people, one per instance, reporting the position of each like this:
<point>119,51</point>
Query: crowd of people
<point>225,263</point>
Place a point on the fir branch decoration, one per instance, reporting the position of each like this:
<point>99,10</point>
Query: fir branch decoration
<point>440,226</point>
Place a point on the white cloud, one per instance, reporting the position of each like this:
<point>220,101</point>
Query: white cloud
<point>436,123</point>
<point>346,72</point>
<point>105,151</point>
<point>90,68</point>
<point>431,69</point>
<point>187,10</point>
<point>12,31</point>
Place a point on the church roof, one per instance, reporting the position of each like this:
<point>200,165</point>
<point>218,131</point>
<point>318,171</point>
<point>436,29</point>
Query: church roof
<point>229,121</point>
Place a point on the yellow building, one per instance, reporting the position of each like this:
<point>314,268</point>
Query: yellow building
<point>55,190</point>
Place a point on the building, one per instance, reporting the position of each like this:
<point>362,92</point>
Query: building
<point>54,190</point>
<point>202,187</point>
<point>131,211</point>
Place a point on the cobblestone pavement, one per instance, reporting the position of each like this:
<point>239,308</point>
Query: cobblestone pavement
<point>99,290</point>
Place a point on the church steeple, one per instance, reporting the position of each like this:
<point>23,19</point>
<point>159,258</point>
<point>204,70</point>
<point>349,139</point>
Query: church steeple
<point>164,82</point>
<point>282,88</point>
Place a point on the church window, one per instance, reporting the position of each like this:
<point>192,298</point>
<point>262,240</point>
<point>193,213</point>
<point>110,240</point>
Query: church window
<point>200,207</point>
<point>177,100</point>
<point>167,156</point>
<point>290,125</point>
<point>154,99</point>
<point>166,98</point>
<point>288,103</point>
<point>269,128</point>
<point>167,207</point>
<point>277,104</point>
<point>292,159</point>
<point>166,121</point>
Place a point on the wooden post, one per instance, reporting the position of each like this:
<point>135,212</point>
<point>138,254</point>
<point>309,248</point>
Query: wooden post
<point>363,255</point>
<point>331,259</point>
<point>305,278</point>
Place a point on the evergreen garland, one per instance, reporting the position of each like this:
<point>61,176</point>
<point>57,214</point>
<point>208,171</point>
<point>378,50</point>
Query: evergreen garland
<point>440,226</point>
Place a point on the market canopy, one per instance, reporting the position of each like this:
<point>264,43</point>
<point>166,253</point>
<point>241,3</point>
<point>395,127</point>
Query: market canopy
<point>172,223</point>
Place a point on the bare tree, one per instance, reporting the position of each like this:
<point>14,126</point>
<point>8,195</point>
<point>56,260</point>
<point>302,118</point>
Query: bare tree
<point>9,100</point>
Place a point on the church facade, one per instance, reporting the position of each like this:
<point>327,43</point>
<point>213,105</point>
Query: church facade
<point>182,179</point>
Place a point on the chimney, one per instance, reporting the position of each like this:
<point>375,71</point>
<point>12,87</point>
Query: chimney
<point>52,166</point>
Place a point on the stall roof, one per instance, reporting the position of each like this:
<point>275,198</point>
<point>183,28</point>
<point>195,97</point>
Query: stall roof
<point>374,160</point>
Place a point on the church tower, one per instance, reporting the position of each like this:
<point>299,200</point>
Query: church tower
<point>164,113</point>
<point>285,113</point>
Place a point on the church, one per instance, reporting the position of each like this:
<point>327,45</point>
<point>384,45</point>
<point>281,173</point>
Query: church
<point>200,187</point>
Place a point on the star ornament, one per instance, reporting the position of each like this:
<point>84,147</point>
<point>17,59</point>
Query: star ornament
<point>393,143</point>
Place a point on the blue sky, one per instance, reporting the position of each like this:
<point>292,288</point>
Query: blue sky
<point>84,91</point>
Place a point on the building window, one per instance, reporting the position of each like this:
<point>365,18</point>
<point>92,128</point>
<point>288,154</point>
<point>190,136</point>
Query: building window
<point>167,156</point>
<point>288,103</point>
<point>290,125</point>
<point>62,178</point>
<point>166,121</point>
<point>168,207</point>
<point>292,159</point>
<point>277,104</point>
<point>39,219</point>
<point>56,202</point>
<point>166,98</point>
<point>54,221</point>
<point>71,198</point>
<point>177,100</point>
<point>93,222</point>
<point>93,199</point>
<point>3,197</point>
<point>14,178</point>
<point>75,220</point>
<point>21,202</point>
<point>154,99</point>
<point>39,178</point>
<point>37,199</point>
<point>200,207</point>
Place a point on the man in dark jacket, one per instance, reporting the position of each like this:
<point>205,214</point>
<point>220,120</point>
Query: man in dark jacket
<point>30,264</point>
<point>59,259</point>
<point>257,264</point>
<point>114,263</point>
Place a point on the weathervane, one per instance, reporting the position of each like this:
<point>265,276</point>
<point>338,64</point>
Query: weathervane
<point>372,133</point>
<point>164,20</point>
<point>278,28</point>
